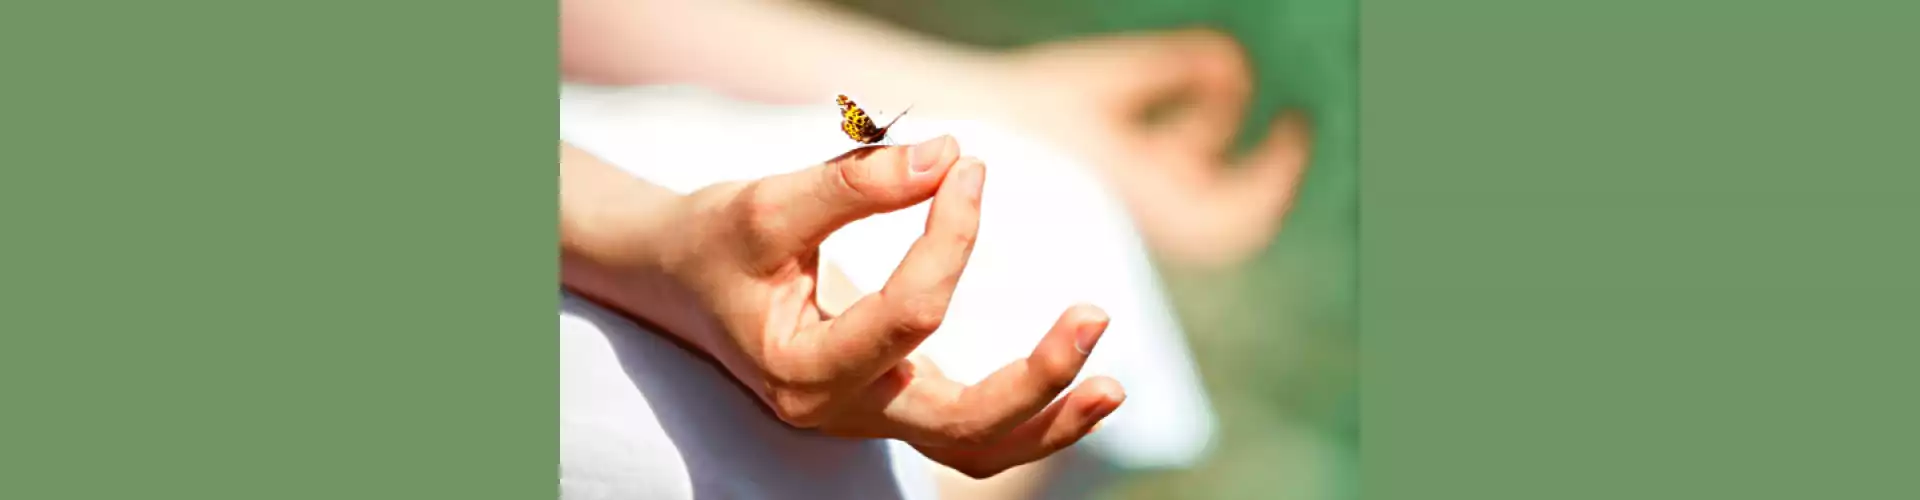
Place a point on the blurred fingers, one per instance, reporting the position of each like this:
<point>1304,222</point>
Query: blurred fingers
<point>1263,187</point>
<point>1227,215</point>
<point>1208,77</point>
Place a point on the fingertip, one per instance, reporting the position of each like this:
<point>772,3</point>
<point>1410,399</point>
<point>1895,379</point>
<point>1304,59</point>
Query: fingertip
<point>969,176</point>
<point>1106,390</point>
<point>1092,324</point>
<point>1085,323</point>
<point>1101,407</point>
<point>1088,313</point>
<point>1096,398</point>
<point>1285,149</point>
<point>929,157</point>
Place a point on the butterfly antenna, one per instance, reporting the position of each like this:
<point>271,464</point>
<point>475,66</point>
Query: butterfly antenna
<point>896,118</point>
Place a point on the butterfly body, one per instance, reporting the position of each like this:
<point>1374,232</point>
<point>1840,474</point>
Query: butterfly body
<point>859,126</point>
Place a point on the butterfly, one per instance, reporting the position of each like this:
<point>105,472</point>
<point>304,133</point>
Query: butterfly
<point>858,126</point>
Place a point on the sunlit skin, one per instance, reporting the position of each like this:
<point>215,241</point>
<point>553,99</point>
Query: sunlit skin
<point>1197,202</point>
<point>734,271</point>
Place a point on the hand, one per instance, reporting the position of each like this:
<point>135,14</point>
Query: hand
<point>1193,203</point>
<point>1086,95</point>
<point>749,254</point>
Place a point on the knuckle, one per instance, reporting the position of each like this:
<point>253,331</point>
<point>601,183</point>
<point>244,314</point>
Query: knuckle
<point>795,375</point>
<point>759,213</point>
<point>1052,373</point>
<point>798,408</point>
<point>923,316</point>
<point>970,434</point>
<point>796,391</point>
<point>764,212</point>
<point>964,238</point>
<point>853,181</point>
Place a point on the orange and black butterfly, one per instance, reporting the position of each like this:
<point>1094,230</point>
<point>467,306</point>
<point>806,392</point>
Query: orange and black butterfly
<point>859,126</point>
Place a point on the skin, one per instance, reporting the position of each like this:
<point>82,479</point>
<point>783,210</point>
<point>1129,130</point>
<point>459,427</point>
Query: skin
<point>733,270</point>
<point>1196,203</point>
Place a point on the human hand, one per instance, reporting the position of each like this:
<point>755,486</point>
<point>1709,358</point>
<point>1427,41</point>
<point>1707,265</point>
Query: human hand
<point>1086,95</point>
<point>1194,203</point>
<point>748,253</point>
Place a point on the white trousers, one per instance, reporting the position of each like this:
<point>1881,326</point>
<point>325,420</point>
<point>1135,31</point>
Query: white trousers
<point>1051,235</point>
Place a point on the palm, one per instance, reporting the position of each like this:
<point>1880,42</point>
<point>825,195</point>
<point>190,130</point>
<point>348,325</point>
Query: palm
<point>827,358</point>
<point>792,297</point>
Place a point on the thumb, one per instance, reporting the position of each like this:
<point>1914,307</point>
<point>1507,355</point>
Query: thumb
<point>804,207</point>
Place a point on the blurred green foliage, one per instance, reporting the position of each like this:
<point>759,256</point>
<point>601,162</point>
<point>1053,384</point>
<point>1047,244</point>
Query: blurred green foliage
<point>1276,339</point>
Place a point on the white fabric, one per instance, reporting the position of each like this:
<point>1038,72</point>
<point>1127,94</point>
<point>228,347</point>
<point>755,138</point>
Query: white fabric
<point>1050,236</point>
<point>643,419</point>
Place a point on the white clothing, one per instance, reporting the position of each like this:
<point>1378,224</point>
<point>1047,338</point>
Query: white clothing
<point>1050,236</point>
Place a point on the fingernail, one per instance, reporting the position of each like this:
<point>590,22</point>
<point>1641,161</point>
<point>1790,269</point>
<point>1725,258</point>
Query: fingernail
<point>1089,335</point>
<point>922,157</point>
<point>973,177</point>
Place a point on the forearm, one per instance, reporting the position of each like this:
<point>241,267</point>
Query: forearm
<point>782,51</point>
<point>613,234</point>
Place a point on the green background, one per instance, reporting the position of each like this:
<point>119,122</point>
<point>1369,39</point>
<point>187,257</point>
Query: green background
<point>278,250</point>
<point>1275,338</point>
<point>1607,250</point>
<point>1639,249</point>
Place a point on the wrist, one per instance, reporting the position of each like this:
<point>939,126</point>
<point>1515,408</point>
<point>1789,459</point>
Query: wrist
<point>614,227</point>
<point>613,235</point>
<point>642,254</point>
<point>619,255</point>
<point>635,247</point>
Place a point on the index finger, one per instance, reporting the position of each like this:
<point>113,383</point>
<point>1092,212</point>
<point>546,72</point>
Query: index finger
<point>881,328</point>
<point>800,209</point>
